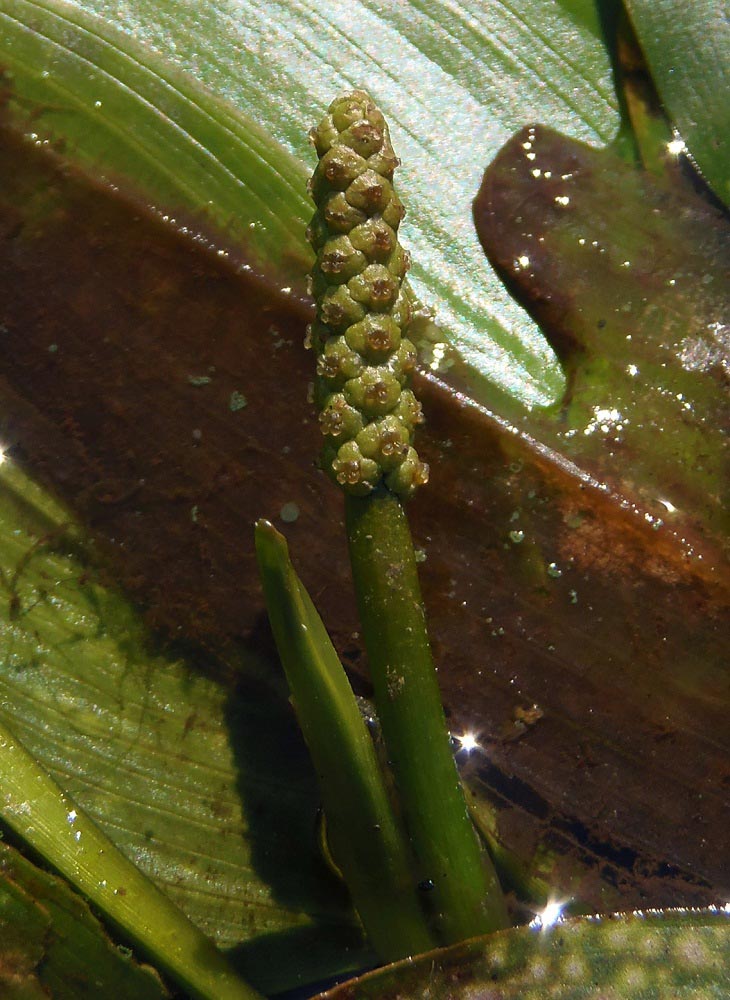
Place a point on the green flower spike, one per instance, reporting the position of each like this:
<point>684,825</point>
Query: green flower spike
<point>367,413</point>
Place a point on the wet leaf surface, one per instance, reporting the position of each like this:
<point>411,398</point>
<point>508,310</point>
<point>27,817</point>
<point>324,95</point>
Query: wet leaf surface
<point>52,945</point>
<point>688,52</point>
<point>543,589</point>
<point>628,274</point>
<point>160,394</point>
<point>668,956</point>
<point>134,93</point>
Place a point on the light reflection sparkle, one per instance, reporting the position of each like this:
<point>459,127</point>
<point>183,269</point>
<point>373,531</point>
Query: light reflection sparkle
<point>551,914</point>
<point>467,742</point>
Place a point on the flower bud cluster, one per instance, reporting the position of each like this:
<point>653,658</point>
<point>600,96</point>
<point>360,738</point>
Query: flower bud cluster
<point>367,413</point>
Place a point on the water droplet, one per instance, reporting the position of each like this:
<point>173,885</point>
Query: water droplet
<point>517,536</point>
<point>289,513</point>
<point>554,570</point>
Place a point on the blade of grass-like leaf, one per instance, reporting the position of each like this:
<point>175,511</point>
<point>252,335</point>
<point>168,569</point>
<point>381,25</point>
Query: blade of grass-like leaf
<point>36,808</point>
<point>687,47</point>
<point>455,83</point>
<point>368,842</point>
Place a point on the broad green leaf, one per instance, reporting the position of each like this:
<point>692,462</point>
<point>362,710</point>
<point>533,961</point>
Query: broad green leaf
<point>132,118</point>
<point>184,776</point>
<point>670,955</point>
<point>687,47</point>
<point>454,83</point>
<point>51,945</point>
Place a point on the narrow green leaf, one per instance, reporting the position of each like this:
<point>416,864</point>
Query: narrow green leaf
<point>687,47</point>
<point>368,843</point>
<point>36,808</point>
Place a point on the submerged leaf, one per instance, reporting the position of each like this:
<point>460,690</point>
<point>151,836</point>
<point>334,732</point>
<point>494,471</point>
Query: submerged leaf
<point>183,775</point>
<point>679,955</point>
<point>51,945</point>
<point>628,273</point>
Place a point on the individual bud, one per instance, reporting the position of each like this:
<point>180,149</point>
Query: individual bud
<point>375,288</point>
<point>401,311</point>
<point>338,168</point>
<point>338,419</point>
<point>365,137</point>
<point>375,392</point>
<point>386,441</point>
<point>345,111</point>
<point>403,361</point>
<point>353,471</point>
<point>408,476</point>
<point>375,239</point>
<point>374,338</point>
<point>338,309</point>
<point>393,213</point>
<point>339,215</point>
<point>384,162</point>
<point>339,260</point>
<point>409,411</point>
<point>323,136</point>
<point>399,262</point>
<point>369,192</point>
<point>337,363</point>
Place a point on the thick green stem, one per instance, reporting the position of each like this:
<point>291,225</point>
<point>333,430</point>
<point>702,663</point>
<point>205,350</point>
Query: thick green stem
<point>460,887</point>
<point>367,840</point>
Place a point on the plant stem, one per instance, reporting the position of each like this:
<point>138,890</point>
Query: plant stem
<point>368,843</point>
<point>36,808</point>
<point>461,889</point>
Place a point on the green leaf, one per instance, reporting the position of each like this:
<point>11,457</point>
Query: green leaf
<point>454,85</point>
<point>171,766</point>
<point>671,955</point>
<point>39,812</point>
<point>368,841</point>
<point>52,945</point>
<point>687,47</point>
<point>125,114</point>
